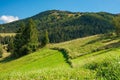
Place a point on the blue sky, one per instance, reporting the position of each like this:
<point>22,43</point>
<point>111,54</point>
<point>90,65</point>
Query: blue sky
<point>20,9</point>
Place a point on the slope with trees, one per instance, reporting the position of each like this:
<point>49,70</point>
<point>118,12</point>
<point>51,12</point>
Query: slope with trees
<point>64,25</point>
<point>26,41</point>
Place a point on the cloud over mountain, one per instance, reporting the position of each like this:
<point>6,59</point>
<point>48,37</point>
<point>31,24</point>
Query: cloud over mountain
<point>7,19</point>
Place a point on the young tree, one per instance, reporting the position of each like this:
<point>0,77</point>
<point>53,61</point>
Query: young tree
<point>10,45</point>
<point>1,51</point>
<point>45,39</point>
<point>117,24</point>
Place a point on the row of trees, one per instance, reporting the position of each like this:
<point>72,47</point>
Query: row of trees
<point>26,41</point>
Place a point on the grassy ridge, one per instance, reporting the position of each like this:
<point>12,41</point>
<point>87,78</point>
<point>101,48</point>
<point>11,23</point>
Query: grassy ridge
<point>87,45</point>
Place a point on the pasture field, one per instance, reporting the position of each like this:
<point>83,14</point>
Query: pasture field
<point>93,58</point>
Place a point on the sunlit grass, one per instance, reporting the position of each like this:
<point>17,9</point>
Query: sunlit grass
<point>48,64</point>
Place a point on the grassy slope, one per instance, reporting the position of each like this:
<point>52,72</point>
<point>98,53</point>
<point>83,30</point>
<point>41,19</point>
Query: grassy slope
<point>50,64</point>
<point>87,45</point>
<point>44,58</point>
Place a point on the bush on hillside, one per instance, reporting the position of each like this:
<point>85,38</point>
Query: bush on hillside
<point>108,69</point>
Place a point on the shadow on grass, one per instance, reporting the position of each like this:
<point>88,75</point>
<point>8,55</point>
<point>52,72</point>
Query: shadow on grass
<point>7,59</point>
<point>109,46</point>
<point>106,49</point>
<point>102,52</point>
<point>65,55</point>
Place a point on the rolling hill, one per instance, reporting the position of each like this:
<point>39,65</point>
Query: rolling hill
<point>64,25</point>
<point>90,58</point>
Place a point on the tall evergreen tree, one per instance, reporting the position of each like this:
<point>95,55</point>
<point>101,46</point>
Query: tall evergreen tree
<point>45,39</point>
<point>10,45</point>
<point>117,24</point>
<point>26,41</point>
<point>1,51</point>
<point>30,35</point>
<point>18,41</point>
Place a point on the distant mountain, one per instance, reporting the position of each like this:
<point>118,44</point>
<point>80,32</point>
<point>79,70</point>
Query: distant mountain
<point>65,25</point>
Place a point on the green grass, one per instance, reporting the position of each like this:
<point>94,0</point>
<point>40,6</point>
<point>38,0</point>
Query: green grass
<point>96,57</point>
<point>47,64</point>
<point>40,59</point>
<point>43,64</point>
<point>87,45</point>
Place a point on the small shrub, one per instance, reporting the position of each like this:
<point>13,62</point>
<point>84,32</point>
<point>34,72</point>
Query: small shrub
<point>109,72</point>
<point>106,70</point>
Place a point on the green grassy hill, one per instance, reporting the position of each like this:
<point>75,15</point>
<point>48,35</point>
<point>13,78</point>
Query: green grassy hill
<point>89,58</point>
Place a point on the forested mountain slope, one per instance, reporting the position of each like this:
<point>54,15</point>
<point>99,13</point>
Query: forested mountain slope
<point>64,25</point>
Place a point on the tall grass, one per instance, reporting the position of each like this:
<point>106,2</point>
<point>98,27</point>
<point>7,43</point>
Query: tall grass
<point>108,69</point>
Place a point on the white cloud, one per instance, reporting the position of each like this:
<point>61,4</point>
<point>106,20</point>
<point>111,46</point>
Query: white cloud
<point>7,19</point>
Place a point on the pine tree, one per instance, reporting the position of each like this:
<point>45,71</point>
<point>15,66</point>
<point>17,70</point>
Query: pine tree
<point>26,41</point>
<point>117,25</point>
<point>30,35</point>
<point>11,45</point>
<point>45,39</point>
<point>18,41</point>
<point>1,51</point>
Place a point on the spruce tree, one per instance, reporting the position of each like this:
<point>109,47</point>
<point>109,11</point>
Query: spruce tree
<point>117,25</point>
<point>30,35</point>
<point>26,41</point>
<point>45,39</point>
<point>1,51</point>
<point>18,41</point>
<point>10,46</point>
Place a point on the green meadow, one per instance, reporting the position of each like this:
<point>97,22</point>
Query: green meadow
<point>90,58</point>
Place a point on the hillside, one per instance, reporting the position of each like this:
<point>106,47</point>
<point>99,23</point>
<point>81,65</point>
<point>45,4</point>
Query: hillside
<point>64,25</point>
<point>88,58</point>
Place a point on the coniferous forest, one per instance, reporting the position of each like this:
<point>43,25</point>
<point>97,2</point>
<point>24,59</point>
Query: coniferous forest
<point>64,25</point>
